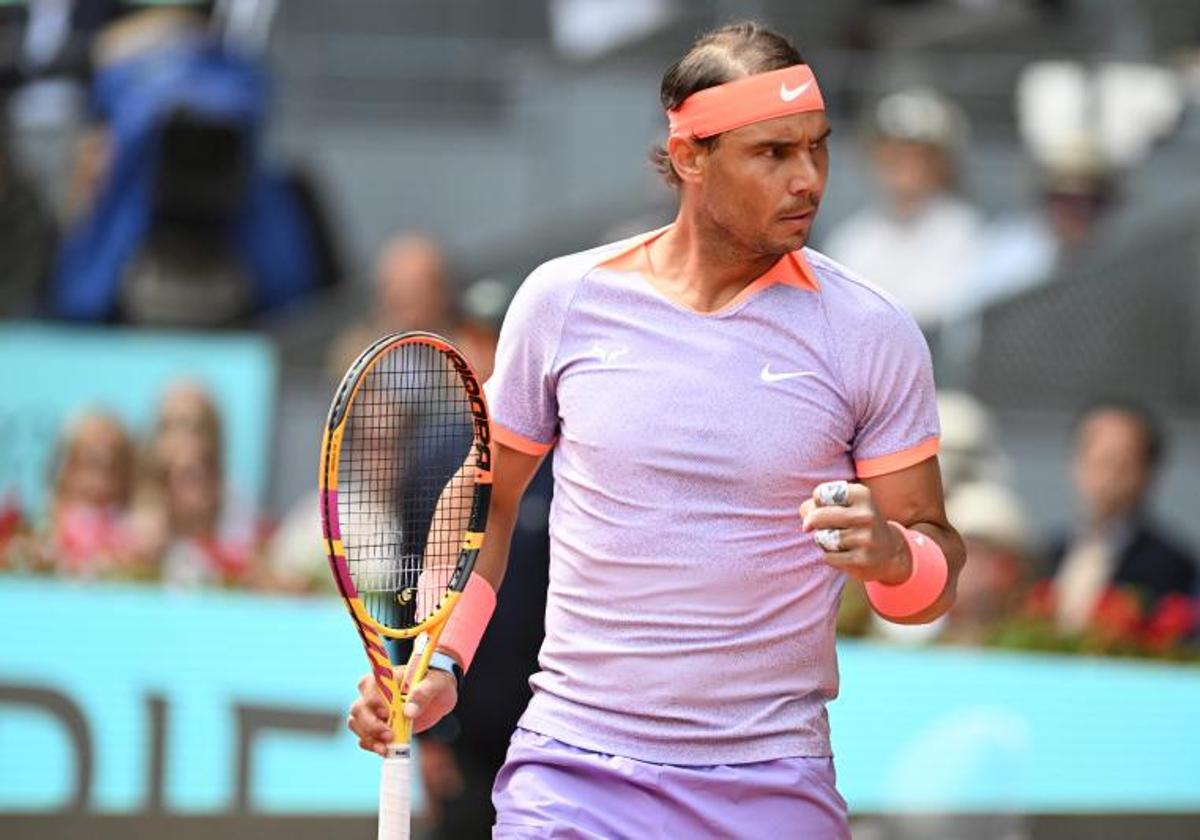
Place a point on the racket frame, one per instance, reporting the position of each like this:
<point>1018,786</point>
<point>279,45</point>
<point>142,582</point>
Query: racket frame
<point>370,631</point>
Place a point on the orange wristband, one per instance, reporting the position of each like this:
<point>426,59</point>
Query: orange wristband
<point>923,587</point>
<point>470,618</point>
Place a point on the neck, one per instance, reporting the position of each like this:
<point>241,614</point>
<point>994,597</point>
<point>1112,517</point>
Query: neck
<point>699,262</point>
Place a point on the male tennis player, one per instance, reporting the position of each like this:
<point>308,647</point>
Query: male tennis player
<point>696,385</point>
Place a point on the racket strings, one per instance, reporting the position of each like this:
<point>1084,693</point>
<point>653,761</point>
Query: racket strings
<point>406,483</point>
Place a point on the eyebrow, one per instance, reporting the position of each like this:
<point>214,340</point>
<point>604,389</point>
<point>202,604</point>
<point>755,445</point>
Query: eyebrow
<point>772,144</point>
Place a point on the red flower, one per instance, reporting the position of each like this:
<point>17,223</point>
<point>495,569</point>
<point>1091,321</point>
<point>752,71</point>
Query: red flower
<point>1171,623</point>
<point>1117,616</point>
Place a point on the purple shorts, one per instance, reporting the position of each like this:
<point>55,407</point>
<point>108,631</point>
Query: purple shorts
<point>548,789</point>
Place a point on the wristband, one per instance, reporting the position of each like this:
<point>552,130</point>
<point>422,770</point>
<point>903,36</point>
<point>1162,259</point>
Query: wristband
<point>469,619</point>
<point>924,585</point>
<point>442,661</point>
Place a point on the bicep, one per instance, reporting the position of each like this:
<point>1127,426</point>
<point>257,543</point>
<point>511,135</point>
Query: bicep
<point>512,470</point>
<point>910,495</point>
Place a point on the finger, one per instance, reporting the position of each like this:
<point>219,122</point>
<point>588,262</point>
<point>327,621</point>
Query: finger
<point>807,507</point>
<point>373,746</point>
<point>836,493</point>
<point>378,707</point>
<point>836,517</point>
<point>829,539</point>
<point>851,562</point>
<point>428,694</point>
<point>374,732</point>
<point>369,721</point>
<point>847,539</point>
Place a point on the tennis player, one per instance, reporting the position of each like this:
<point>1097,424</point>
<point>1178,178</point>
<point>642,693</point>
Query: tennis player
<point>737,423</point>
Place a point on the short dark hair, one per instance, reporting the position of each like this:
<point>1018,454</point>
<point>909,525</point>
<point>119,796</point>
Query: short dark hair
<point>1152,431</point>
<point>722,55</point>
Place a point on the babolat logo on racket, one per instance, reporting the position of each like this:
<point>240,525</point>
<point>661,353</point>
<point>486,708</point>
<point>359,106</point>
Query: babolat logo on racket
<point>478,410</point>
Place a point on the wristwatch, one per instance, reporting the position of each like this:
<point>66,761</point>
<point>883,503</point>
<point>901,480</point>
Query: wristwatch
<point>443,661</point>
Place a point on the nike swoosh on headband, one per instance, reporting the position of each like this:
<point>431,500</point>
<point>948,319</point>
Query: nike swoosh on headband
<point>788,94</point>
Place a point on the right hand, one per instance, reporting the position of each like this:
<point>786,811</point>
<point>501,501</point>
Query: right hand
<point>429,702</point>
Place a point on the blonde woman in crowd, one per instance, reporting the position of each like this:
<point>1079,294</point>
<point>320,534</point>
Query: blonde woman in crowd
<point>89,527</point>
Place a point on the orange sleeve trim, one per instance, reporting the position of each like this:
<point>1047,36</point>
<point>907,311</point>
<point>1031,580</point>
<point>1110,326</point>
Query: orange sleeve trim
<point>871,467</point>
<point>512,440</point>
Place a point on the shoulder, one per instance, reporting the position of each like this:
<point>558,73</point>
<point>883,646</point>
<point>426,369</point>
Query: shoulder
<point>556,281</point>
<point>851,301</point>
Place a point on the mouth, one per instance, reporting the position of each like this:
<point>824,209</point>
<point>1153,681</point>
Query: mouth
<point>805,216</point>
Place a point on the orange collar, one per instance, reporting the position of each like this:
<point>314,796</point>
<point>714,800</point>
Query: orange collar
<point>791,269</point>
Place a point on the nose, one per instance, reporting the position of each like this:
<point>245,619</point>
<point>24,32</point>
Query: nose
<point>805,177</point>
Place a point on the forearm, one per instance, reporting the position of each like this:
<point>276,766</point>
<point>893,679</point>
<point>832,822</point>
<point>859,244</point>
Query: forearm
<point>492,561</point>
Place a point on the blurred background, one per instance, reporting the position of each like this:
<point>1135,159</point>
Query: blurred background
<point>207,209</point>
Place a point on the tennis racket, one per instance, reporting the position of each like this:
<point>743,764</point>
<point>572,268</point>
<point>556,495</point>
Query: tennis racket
<point>405,480</point>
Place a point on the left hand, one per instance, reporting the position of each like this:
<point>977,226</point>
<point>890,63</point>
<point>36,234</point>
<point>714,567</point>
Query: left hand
<point>854,535</point>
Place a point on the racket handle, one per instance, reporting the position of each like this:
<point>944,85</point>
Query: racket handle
<point>394,794</point>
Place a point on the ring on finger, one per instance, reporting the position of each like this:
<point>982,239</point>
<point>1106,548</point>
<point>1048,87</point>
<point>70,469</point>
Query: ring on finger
<point>833,493</point>
<point>829,539</point>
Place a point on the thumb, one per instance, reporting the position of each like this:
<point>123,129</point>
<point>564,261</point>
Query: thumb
<point>423,695</point>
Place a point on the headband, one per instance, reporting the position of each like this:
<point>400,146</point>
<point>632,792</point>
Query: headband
<point>750,99</point>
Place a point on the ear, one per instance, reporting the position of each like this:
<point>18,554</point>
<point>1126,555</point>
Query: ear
<point>688,158</point>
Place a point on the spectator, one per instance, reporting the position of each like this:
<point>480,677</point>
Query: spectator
<point>187,525</point>
<point>919,239</point>
<point>188,225</point>
<point>1114,541</point>
<point>295,559</point>
<point>92,488</point>
<point>1076,192</point>
<point>186,413</point>
<point>412,292</point>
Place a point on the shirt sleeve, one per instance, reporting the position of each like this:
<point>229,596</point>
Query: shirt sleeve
<point>896,402</point>
<point>522,389</point>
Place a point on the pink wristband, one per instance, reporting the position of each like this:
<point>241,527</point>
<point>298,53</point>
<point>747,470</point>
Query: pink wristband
<point>470,618</point>
<point>923,587</point>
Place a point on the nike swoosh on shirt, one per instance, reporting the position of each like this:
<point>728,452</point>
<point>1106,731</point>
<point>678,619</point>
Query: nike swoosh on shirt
<point>788,94</point>
<point>768,376</point>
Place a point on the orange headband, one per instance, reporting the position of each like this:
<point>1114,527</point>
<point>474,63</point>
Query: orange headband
<point>750,99</point>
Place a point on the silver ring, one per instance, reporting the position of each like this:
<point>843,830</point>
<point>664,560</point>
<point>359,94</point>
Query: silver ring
<point>829,539</point>
<point>833,493</point>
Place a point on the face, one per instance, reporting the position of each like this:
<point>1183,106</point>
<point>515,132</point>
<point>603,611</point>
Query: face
<point>1110,471</point>
<point>412,285</point>
<point>1073,217</point>
<point>186,414</point>
<point>762,184</point>
<point>98,465</point>
<point>910,173</point>
<point>193,480</point>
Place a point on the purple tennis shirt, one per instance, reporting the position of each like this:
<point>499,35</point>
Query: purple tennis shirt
<point>689,619</point>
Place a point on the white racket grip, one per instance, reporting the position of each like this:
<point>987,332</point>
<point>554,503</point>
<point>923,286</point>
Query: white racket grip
<point>394,795</point>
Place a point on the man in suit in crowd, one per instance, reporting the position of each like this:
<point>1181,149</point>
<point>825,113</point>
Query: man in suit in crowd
<point>1114,542</point>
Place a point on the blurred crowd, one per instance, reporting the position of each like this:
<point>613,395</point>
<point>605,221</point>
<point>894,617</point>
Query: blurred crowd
<point>160,508</point>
